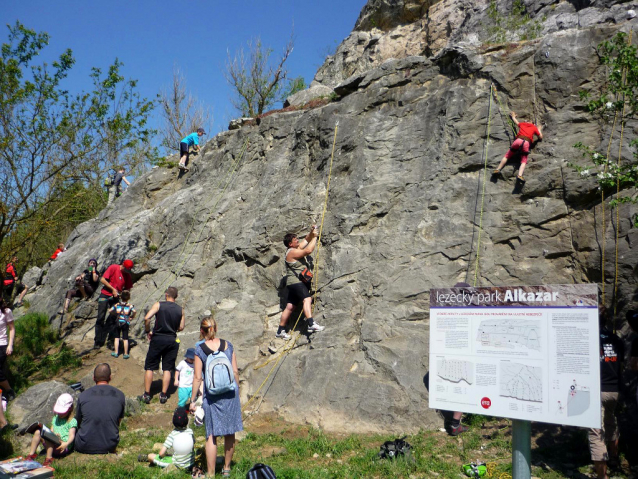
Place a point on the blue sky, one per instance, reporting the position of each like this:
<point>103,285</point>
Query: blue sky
<point>151,37</point>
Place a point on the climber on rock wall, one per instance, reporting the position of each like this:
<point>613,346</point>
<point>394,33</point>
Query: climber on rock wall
<point>185,144</point>
<point>298,279</point>
<point>521,145</point>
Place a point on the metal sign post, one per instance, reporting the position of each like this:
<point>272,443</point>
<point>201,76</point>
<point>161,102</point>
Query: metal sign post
<point>521,449</point>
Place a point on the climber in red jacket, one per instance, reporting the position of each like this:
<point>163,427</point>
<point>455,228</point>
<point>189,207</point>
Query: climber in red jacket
<point>521,145</point>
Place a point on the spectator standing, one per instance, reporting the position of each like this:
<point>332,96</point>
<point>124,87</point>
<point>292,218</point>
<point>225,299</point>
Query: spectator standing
<point>99,413</point>
<point>116,279</point>
<point>184,378</point>
<point>9,282</point>
<point>222,411</point>
<point>603,443</point>
<point>124,312</point>
<point>6,347</point>
<point>169,319</point>
<point>85,285</point>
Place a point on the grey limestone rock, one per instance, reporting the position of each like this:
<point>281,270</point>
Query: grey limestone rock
<point>402,214</point>
<point>36,403</point>
<point>302,97</point>
<point>32,277</point>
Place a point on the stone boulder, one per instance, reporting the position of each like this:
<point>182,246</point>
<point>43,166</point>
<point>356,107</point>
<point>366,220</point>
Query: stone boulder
<point>36,403</point>
<point>33,277</point>
<point>302,97</point>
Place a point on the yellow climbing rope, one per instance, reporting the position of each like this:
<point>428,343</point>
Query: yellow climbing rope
<point>292,341</point>
<point>485,151</point>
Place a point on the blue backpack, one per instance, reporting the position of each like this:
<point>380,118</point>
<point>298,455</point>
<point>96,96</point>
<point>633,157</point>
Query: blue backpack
<point>219,372</point>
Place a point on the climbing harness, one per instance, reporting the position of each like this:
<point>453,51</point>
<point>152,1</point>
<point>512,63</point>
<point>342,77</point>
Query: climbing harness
<point>480,226</point>
<point>290,344</point>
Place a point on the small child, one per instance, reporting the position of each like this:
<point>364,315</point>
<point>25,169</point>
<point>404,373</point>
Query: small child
<point>63,425</point>
<point>181,440</point>
<point>184,378</point>
<point>125,312</point>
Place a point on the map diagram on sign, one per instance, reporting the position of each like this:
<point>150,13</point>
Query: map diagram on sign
<point>521,382</point>
<point>577,400</point>
<point>506,334</point>
<point>455,370</point>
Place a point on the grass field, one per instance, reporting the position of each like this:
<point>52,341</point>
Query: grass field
<point>302,452</point>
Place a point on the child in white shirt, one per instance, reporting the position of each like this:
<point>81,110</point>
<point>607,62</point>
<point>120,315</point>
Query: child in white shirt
<point>184,373</point>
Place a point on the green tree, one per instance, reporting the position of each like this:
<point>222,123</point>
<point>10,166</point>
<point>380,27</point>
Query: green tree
<point>257,81</point>
<point>616,102</point>
<point>53,142</point>
<point>293,86</point>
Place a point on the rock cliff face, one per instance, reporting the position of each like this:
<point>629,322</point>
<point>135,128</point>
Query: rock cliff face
<point>402,212</point>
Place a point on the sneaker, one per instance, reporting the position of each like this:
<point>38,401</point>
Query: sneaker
<point>520,178</point>
<point>496,172</point>
<point>126,356</point>
<point>47,462</point>
<point>163,398</point>
<point>142,458</point>
<point>145,398</point>
<point>18,304</point>
<point>316,327</point>
<point>10,395</point>
<point>283,335</point>
<point>115,355</point>
<point>455,431</point>
<point>31,457</point>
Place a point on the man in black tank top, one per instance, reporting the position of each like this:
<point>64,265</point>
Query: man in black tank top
<point>169,319</point>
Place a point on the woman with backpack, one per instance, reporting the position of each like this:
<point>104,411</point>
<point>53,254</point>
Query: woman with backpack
<point>216,365</point>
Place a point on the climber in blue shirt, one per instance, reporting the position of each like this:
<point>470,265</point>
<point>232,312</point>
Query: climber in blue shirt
<point>185,144</point>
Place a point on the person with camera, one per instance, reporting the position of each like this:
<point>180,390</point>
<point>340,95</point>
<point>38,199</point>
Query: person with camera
<point>85,285</point>
<point>298,280</point>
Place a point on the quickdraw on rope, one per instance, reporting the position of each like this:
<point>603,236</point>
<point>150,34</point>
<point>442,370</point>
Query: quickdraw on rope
<point>485,152</point>
<point>290,344</point>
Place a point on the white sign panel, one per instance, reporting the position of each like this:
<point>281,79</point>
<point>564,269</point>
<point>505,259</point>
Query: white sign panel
<point>528,352</point>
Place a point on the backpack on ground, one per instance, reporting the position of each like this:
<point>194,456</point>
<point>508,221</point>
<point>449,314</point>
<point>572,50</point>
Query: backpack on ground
<point>396,448</point>
<point>219,372</point>
<point>261,471</point>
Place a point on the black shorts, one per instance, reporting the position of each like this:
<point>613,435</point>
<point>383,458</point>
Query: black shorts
<point>297,293</point>
<point>183,150</point>
<point>164,348</point>
<point>122,330</point>
<point>3,360</point>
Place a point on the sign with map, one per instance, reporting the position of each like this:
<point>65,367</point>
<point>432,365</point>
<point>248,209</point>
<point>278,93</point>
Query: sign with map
<point>527,352</point>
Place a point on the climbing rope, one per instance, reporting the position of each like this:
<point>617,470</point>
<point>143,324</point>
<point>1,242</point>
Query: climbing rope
<point>510,122</point>
<point>289,346</point>
<point>485,151</point>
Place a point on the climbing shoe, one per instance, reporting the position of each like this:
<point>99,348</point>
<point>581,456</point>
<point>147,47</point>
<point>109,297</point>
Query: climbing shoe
<point>496,172</point>
<point>283,335</point>
<point>163,398</point>
<point>520,178</point>
<point>315,328</point>
<point>145,398</point>
<point>455,431</point>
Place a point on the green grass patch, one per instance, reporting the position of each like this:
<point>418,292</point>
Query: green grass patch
<point>38,353</point>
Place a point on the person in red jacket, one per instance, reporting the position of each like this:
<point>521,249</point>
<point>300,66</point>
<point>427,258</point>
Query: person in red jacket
<point>9,282</point>
<point>115,279</point>
<point>521,145</point>
<point>60,249</point>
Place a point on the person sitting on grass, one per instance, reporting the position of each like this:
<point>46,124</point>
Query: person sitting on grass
<point>63,425</point>
<point>521,145</point>
<point>124,312</point>
<point>181,440</point>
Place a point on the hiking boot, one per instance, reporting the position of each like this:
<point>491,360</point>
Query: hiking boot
<point>315,328</point>
<point>455,431</point>
<point>163,398</point>
<point>283,335</point>
<point>520,178</point>
<point>145,398</point>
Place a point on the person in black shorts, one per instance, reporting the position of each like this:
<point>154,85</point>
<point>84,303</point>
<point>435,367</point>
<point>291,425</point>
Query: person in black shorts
<point>117,182</point>
<point>169,319</point>
<point>125,312</point>
<point>298,279</point>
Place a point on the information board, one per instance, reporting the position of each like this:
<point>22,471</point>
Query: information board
<point>528,352</point>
